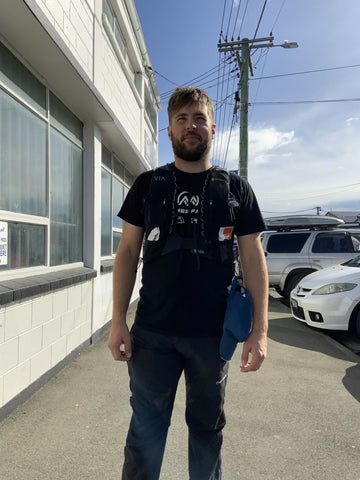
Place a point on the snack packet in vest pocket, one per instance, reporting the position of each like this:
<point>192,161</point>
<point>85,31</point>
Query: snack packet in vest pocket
<point>237,321</point>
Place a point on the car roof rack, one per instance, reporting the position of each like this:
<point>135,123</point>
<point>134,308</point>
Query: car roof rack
<point>301,222</point>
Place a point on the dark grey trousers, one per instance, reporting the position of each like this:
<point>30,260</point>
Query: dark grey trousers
<point>155,368</point>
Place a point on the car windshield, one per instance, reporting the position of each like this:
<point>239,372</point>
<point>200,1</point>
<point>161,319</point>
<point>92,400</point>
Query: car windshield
<point>354,262</point>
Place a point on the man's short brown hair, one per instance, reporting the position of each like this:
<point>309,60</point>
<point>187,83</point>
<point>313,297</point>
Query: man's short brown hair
<point>186,96</point>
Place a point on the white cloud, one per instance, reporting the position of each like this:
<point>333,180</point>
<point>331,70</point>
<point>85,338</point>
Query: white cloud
<point>350,121</point>
<point>289,173</point>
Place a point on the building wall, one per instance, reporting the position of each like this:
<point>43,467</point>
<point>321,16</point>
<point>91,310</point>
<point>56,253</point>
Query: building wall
<point>39,332</point>
<point>47,311</point>
<point>73,20</point>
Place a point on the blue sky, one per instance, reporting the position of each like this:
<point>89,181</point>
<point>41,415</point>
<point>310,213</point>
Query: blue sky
<point>304,128</point>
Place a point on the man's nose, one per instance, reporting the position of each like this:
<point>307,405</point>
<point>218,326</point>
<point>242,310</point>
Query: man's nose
<point>191,125</point>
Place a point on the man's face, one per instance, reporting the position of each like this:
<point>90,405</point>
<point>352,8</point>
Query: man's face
<point>191,131</point>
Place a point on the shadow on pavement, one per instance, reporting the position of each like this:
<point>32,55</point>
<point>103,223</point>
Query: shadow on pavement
<point>351,381</point>
<point>288,331</point>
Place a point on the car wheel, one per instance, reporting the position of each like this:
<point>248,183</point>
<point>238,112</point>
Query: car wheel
<point>291,284</point>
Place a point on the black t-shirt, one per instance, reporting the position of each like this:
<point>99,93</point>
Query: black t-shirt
<point>182,293</point>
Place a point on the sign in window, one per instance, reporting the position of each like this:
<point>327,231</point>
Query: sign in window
<point>3,243</point>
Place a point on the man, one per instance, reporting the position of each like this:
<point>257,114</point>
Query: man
<point>187,213</point>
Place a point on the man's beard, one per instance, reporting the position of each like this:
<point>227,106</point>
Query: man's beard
<point>190,154</point>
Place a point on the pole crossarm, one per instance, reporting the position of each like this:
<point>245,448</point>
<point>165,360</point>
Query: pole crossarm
<point>238,45</point>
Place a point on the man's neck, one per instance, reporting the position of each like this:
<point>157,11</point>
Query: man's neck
<point>193,167</point>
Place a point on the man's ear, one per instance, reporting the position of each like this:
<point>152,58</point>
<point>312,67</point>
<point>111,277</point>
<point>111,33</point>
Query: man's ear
<point>169,132</point>
<point>213,128</point>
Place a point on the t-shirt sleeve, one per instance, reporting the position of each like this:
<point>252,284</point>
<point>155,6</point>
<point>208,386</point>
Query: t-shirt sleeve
<point>248,216</point>
<point>132,210</point>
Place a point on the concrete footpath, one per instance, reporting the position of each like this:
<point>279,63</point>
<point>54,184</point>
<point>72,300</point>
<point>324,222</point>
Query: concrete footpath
<point>297,418</point>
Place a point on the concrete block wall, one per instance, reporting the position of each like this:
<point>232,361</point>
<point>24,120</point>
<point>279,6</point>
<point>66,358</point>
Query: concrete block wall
<point>114,86</point>
<point>73,21</point>
<point>80,26</point>
<point>37,333</point>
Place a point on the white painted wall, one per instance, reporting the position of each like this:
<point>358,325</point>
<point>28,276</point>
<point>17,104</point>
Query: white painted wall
<point>36,334</point>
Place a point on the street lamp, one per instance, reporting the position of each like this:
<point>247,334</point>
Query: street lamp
<point>287,44</point>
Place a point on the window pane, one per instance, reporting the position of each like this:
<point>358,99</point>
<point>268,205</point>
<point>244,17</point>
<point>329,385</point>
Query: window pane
<point>21,81</point>
<point>287,242</point>
<point>26,246</point>
<point>332,243</point>
<point>105,213</point>
<point>22,159</point>
<point>108,13</point>
<point>120,39</point>
<point>63,119</point>
<point>118,198</point>
<point>129,179</point>
<point>119,169</point>
<point>116,241</point>
<point>65,201</point>
<point>106,157</point>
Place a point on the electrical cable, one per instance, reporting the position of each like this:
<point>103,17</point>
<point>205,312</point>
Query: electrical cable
<point>261,16</point>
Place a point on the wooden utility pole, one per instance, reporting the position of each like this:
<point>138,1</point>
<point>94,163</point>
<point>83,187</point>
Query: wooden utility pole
<point>245,45</point>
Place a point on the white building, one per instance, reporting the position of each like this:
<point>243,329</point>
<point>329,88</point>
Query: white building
<point>78,122</point>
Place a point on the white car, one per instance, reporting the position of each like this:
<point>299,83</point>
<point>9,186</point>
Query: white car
<point>330,298</point>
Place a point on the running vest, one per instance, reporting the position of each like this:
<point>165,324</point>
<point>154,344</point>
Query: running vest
<point>217,217</point>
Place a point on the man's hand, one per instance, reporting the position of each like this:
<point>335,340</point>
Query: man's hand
<point>120,343</point>
<point>254,352</point>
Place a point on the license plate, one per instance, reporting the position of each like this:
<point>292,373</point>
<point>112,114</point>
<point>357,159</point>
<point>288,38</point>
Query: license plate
<point>294,303</point>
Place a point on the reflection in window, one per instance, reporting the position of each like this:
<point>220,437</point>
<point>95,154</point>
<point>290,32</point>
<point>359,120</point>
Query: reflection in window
<point>26,246</point>
<point>21,81</point>
<point>26,123</point>
<point>118,197</point>
<point>105,213</point>
<point>116,241</point>
<point>113,192</point>
<point>65,200</point>
<point>22,159</point>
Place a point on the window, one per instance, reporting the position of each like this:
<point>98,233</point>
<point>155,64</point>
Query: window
<point>287,242</point>
<point>113,23</point>
<point>26,245</point>
<point>151,113</point>
<point>332,243</point>
<point>115,181</point>
<point>113,28</point>
<point>66,200</point>
<point>22,159</point>
<point>41,171</point>
<point>105,212</point>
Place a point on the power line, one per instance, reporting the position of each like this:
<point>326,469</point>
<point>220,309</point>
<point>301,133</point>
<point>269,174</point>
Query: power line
<point>306,72</point>
<point>291,102</point>
<point>278,15</point>
<point>261,16</point>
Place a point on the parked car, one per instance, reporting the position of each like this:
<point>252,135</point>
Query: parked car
<point>297,249</point>
<point>330,298</point>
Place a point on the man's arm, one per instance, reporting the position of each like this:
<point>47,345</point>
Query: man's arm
<point>254,269</point>
<point>124,275</point>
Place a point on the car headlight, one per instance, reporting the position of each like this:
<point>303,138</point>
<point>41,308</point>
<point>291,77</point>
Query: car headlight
<point>334,288</point>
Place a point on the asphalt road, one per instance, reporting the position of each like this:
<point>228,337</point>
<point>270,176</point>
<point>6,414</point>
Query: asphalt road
<point>348,339</point>
<point>297,418</point>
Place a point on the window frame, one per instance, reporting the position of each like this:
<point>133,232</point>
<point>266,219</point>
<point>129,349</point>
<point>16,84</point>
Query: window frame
<point>8,216</point>
<point>113,29</point>
<point>125,178</point>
